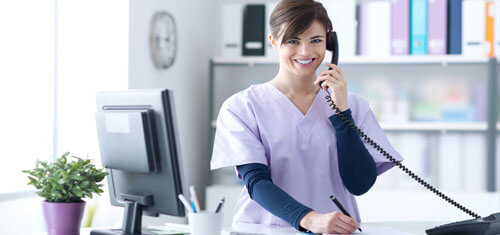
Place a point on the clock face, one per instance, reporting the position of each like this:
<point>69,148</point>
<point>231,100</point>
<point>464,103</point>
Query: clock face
<point>163,40</point>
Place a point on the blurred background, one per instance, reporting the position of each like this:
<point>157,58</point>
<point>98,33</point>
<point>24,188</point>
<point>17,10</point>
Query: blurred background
<point>428,68</point>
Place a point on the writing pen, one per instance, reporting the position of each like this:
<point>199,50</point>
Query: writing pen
<point>337,203</point>
<point>195,198</point>
<point>221,203</point>
<point>185,202</point>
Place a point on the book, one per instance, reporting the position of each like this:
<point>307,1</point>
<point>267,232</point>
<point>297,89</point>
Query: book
<point>490,30</point>
<point>254,30</point>
<point>375,28</point>
<point>418,27</point>
<point>231,22</point>
<point>400,27</point>
<point>454,29</point>
<point>473,27</point>
<point>436,44</point>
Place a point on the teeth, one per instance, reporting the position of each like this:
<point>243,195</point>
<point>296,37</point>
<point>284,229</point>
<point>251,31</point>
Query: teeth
<point>305,61</point>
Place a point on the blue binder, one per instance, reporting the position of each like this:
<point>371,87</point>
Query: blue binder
<point>418,27</point>
<point>454,33</point>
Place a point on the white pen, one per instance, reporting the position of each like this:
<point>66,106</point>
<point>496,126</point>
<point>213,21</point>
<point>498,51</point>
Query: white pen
<point>195,198</point>
<point>185,202</point>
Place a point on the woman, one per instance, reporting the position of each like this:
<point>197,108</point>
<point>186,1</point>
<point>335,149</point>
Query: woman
<point>286,142</point>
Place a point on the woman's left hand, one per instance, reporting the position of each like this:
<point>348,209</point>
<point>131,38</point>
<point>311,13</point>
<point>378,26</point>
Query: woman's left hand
<point>335,80</point>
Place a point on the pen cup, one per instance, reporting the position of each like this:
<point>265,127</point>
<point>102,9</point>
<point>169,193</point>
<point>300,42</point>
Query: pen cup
<point>205,223</point>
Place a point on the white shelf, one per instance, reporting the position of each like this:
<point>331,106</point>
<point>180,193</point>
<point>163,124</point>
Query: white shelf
<point>424,59</point>
<point>429,126</point>
<point>435,126</point>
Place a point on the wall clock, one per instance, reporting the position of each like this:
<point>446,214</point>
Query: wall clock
<point>163,40</point>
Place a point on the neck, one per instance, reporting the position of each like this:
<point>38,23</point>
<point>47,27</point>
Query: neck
<point>293,85</point>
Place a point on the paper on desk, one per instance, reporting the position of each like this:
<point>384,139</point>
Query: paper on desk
<point>381,231</point>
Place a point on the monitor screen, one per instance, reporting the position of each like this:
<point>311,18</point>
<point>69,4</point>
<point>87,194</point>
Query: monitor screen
<point>138,143</point>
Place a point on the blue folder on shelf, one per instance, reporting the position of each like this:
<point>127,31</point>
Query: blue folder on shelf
<point>418,27</point>
<point>454,27</point>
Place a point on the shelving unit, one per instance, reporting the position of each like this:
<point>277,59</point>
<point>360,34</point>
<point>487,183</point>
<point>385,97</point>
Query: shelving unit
<point>490,128</point>
<point>444,60</point>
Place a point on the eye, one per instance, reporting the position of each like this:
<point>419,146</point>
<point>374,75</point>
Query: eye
<point>293,41</point>
<point>317,41</point>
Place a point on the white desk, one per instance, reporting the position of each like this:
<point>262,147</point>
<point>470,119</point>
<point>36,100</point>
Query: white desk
<point>399,227</point>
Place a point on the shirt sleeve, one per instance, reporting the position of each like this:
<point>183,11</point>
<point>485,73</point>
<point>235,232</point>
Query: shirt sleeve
<point>357,167</point>
<point>261,189</point>
<point>370,126</point>
<point>237,140</point>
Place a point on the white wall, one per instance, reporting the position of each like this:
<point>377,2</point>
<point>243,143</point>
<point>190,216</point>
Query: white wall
<point>187,78</point>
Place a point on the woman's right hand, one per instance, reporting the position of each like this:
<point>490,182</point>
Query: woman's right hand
<point>334,222</point>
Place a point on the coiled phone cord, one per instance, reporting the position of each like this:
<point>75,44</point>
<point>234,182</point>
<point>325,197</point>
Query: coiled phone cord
<point>401,166</point>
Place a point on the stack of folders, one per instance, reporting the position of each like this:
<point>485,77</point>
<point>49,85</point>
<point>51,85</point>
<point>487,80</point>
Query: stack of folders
<point>429,27</point>
<point>377,27</point>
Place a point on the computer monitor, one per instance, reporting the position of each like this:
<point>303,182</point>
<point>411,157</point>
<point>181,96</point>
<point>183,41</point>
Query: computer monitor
<point>138,144</point>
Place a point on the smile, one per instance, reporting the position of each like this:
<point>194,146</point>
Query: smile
<point>305,62</point>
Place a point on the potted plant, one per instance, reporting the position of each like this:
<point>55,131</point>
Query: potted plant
<point>64,184</point>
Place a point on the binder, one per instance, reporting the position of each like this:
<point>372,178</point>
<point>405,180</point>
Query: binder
<point>375,28</point>
<point>496,26</point>
<point>454,32</point>
<point>342,13</point>
<point>490,17</point>
<point>418,27</point>
<point>231,22</point>
<point>270,52</point>
<point>254,30</point>
<point>400,27</point>
<point>437,27</point>
<point>473,27</point>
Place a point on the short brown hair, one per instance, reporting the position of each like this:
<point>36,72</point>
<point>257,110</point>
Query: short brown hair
<point>299,14</point>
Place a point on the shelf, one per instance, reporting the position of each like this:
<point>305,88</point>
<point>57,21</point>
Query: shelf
<point>427,59</point>
<point>431,126</point>
<point>435,126</point>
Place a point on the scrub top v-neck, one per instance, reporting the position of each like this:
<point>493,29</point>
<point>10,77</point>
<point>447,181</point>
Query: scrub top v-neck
<point>261,125</point>
<point>303,121</point>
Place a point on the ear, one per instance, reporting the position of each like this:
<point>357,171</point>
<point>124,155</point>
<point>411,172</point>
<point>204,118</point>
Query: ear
<point>274,42</point>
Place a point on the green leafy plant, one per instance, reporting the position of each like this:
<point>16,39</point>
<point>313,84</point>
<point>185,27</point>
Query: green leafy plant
<point>63,181</point>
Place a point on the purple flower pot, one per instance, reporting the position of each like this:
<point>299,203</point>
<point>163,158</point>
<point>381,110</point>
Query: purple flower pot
<point>63,218</point>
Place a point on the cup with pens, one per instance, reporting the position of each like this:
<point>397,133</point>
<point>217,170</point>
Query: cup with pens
<point>202,222</point>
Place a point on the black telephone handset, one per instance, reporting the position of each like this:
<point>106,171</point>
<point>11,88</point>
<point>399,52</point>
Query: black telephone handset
<point>487,225</point>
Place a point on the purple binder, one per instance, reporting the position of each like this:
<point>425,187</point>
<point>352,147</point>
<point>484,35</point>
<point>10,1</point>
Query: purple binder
<point>436,44</point>
<point>400,25</point>
<point>362,28</point>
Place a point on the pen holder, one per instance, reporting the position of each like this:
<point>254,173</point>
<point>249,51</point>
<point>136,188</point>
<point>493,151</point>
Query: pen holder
<point>205,223</point>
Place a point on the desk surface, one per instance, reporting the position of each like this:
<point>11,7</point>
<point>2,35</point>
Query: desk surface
<point>396,227</point>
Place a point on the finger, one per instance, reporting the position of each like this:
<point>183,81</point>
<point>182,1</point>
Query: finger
<point>323,78</point>
<point>332,73</point>
<point>329,83</point>
<point>339,228</point>
<point>345,227</point>
<point>349,220</point>
<point>334,67</point>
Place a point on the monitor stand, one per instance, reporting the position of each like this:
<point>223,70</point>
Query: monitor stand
<point>132,217</point>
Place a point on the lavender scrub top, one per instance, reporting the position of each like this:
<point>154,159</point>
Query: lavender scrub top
<point>261,125</point>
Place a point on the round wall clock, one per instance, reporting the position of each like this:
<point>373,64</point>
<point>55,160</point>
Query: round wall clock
<point>163,40</point>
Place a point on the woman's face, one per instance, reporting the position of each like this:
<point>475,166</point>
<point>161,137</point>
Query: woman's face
<point>301,56</point>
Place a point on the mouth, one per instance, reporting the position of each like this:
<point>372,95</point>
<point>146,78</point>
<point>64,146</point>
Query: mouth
<point>304,62</point>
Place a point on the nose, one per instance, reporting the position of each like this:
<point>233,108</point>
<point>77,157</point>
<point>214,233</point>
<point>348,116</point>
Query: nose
<point>304,49</point>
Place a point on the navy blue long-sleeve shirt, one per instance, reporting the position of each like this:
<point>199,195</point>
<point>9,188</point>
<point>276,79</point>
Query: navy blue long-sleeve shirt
<point>357,170</point>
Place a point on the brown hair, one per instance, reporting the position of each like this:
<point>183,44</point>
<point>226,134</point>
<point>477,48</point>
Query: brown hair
<point>299,15</point>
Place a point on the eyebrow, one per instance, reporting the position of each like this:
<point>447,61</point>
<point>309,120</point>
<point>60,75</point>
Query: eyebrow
<point>317,36</point>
